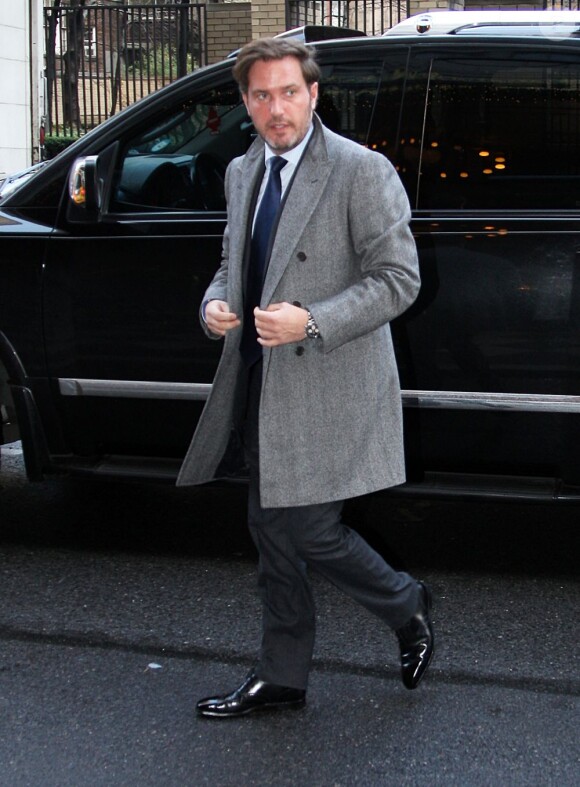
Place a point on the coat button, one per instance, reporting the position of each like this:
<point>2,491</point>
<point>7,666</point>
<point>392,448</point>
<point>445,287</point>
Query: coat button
<point>301,256</point>
<point>297,303</point>
<point>300,350</point>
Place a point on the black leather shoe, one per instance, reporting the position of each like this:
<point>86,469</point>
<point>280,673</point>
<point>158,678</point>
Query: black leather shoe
<point>254,694</point>
<point>416,641</point>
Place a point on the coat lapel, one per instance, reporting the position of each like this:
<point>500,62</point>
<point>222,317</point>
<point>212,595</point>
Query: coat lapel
<point>241,202</point>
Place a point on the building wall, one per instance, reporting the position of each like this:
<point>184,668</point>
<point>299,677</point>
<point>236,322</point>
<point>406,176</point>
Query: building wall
<point>15,131</point>
<point>268,18</point>
<point>229,26</point>
<point>496,5</point>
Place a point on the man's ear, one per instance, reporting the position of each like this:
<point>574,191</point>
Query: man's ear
<point>314,95</point>
<point>245,100</point>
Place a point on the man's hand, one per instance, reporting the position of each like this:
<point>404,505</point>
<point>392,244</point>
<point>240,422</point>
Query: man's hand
<point>219,319</point>
<point>280,323</point>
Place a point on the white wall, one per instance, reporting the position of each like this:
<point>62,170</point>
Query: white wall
<point>15,101</point>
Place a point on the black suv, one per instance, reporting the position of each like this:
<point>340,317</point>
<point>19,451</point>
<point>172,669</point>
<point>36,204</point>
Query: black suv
<point>106,252</point>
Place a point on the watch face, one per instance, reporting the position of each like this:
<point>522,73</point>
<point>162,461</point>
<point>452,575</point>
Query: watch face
<point>312,329</point>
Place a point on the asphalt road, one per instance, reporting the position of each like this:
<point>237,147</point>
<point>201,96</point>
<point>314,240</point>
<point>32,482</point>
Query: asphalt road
<point>123,604</point>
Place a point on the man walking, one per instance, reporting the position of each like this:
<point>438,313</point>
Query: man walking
<point>318,258</point>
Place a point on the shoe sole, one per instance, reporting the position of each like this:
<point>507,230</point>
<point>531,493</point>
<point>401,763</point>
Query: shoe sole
<point>271,706</point>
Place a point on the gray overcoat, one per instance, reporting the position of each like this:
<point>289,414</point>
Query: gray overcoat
<point>330,409</point>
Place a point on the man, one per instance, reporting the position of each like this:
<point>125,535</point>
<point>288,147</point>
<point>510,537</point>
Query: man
<point>317,259</point>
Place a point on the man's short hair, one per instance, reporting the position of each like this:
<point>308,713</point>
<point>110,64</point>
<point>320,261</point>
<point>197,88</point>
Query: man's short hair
<point>275,49</point>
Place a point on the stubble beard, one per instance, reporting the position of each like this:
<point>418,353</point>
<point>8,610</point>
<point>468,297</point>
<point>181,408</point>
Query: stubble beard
<point>296,137</point>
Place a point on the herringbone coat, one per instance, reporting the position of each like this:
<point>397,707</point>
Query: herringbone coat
<point>330,409</point>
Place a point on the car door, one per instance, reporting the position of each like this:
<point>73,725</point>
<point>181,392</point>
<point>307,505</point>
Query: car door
<point>129,362</point>
<point>489,355</point>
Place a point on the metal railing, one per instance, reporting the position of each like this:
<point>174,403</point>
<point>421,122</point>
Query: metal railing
<point>369,16</point>
<point>374,17</point>
<point>100,59</point>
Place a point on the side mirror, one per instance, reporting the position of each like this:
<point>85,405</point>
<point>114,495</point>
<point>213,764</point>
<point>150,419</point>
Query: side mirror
<point>83,184</point>
<point>88,184</point>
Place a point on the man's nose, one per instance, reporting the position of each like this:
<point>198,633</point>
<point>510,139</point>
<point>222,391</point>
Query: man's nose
<point>276,105</point>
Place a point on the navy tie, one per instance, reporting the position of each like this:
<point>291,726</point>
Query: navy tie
<point>269,206</point>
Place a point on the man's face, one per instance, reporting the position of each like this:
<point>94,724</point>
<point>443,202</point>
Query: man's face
<point>280,102</point>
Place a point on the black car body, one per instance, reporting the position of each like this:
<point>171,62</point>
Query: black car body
<point>103,363</point>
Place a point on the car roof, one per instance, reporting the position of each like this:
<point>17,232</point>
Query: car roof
<point>532,23</point>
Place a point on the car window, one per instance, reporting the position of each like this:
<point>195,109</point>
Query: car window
<point>178,161</point>
<point>347,97</point>
<point>500,133</point>
<point>385,134</point>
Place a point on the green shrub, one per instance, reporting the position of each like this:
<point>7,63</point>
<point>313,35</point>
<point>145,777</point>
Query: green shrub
<point>53,145</point>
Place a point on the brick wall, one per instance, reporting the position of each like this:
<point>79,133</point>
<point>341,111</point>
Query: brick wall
<point>496,5</point>
<point>268,18</point>
<point>422,6</point>
<point>229,26</point>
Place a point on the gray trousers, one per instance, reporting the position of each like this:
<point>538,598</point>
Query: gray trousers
<point>291,540</point>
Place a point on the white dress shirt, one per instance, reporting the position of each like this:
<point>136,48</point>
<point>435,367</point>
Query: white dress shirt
<point>292,158</point>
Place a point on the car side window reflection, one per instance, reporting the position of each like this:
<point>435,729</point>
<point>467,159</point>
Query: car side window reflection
<point>179,161</point>
<point>500,132</point>
<point>347,97</point>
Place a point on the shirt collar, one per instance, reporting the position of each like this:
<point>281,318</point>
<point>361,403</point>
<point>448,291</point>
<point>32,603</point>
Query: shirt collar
<point>292,156</point>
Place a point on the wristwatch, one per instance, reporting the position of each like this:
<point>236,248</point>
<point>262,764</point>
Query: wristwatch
<point>311,330</point>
